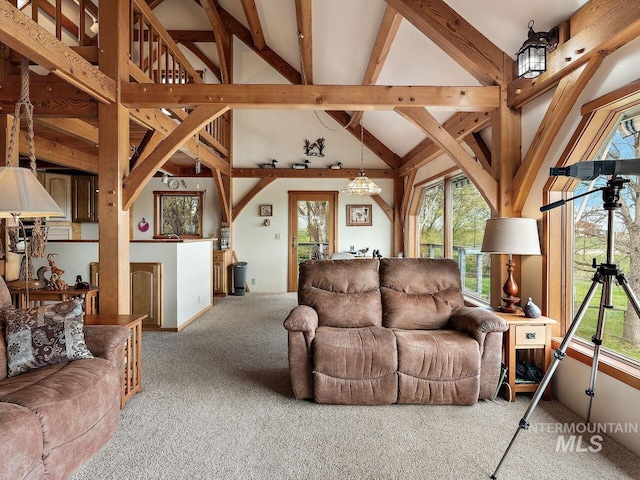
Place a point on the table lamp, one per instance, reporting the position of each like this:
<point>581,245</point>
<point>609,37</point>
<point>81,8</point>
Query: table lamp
<point>512,236</point>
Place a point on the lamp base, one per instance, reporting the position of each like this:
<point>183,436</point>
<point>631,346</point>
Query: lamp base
<point>510,305</point>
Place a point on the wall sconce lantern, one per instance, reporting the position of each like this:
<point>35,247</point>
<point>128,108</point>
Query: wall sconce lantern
<point>531,59</point>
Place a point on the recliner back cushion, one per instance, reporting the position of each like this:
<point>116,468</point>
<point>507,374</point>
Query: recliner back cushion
<point>419,293</point>
<point>345,293</point>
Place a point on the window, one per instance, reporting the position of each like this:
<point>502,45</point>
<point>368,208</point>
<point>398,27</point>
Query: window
<point>468,213</point>
<point>178,214</point>
<point>622,326</point>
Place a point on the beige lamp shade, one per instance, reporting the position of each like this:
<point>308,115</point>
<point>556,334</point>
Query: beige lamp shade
<point>517,236</point>
<point>21,194</point>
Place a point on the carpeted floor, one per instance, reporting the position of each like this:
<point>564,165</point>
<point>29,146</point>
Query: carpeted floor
<point>217,404</point>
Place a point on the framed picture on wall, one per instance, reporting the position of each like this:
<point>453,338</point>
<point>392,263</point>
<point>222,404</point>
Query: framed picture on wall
<point>359,215</point>
<point>266,210</point>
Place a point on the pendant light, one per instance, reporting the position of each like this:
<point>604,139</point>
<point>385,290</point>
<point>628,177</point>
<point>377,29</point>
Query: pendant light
<point>361,185</point>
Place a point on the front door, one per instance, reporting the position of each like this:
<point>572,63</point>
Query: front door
<point>312,229</point>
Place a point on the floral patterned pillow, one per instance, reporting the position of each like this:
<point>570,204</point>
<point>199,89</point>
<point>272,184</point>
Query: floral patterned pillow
<point>44,335</point>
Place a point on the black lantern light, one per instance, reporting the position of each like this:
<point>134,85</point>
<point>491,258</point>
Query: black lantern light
<point>531,59</point>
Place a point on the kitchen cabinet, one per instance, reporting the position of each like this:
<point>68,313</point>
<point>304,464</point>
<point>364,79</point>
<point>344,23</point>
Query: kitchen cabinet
<point>84,198</point>
<point>146,290</point>
<point>220,267</point>
<point>59,187</point>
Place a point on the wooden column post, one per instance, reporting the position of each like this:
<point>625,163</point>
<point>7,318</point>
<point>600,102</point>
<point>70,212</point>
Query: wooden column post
<point>506,145</point>
<point>398,220</point>
<point>113,157</point>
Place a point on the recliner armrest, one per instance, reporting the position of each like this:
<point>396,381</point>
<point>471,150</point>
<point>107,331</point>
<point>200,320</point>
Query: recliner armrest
<point>302,319</point>
<point>477,322</point>
<point>106,341</point>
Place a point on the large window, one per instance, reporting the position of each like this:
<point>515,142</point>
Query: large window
<point>462,219</point>
<point>622,326</point>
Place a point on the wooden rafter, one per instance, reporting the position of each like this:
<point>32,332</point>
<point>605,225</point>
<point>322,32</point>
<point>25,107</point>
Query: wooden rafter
<point>480,150</point>
<point>206,60</point>
<point>606,26</point>
<point>192,35</point>
<point>457,37</point>
<point>255,26</point>
<point>311,97</point>
<point>459,126</point>
<point>564,98</point>
<point>408,189</point>
<point>262,183</point>
<point>74,127</point>
<point>386,34</point>
<point>57,153</point>
<point>485,183</point>
<point>139,176</point>
<point>223,39</point>
<point>148,144</point>
<point>305,39</point>
<point>386,208</point>
<point>222,196</point>
<point>27,37</point>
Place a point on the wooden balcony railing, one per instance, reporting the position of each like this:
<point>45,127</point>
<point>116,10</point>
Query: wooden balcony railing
<point>73,19</point>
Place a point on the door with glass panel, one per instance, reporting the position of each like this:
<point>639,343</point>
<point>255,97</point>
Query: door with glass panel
<point>312,229</point>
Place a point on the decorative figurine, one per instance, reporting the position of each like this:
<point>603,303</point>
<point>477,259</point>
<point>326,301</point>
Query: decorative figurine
<point>531,310</point>
<point>55,282</point>
<point>269,165</point>
<point>336,166</point>
<point>301,166</point>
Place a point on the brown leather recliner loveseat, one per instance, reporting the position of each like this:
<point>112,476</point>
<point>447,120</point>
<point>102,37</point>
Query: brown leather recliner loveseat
<point>397,332</point>
<point>54,418</point>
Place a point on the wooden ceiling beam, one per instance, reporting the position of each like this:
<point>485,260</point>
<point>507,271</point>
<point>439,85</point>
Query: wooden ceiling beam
<point>206,60</point>
<point>223,38</point>
<point>311,97</point>
<point>203,36</point>
<point>481,151</point>
<point>59,154</point>
<point>309,173</point>
<point>73,127</point>
<point>458,38</point>
<point>305,39</point>
<point>386,34</point>
<point>22,34</point>
<point>144,170</point>
<point>606,26</point>
<point>458,126</point>
<point>50,96</point>
<point>485,183</point>
<point>255,26</point>
<point>564,98</point>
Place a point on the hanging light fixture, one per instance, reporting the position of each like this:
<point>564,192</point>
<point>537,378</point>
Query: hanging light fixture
<point>361,185</point>
<point>531,59</point>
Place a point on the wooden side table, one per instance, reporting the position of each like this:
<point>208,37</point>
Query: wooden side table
<point>41,295</point>
<point>132,355</point>
<point>527,337</point>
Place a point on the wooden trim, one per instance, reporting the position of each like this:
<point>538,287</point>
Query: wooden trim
<point>608,364</point>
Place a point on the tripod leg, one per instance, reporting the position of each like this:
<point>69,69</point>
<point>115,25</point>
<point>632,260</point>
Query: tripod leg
<point>558,356</point>
<point>605,302</point>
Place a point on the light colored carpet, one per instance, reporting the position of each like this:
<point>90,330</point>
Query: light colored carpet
<point>217,404</point>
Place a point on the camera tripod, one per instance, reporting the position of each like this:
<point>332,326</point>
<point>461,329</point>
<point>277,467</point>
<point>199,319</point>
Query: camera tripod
<point>605,273</point>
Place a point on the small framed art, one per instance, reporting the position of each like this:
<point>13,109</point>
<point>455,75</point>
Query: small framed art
<point>266,210</point>
<point>359,215</point>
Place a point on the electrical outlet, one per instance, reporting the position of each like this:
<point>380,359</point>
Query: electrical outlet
<point>253,281</point>
<point>277,236</point>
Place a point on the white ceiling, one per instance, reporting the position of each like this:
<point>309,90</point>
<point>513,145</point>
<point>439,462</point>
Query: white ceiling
<point>344,32</point>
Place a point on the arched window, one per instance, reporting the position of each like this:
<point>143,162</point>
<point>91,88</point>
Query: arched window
<point>452,218</point>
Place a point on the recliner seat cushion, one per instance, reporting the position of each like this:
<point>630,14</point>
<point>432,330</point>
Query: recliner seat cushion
<point>69,399</point>
<point>344,293</point>
<point>419,293</point>
<point>20,443</point>
<point>437,367</point>
<point>355,366</point>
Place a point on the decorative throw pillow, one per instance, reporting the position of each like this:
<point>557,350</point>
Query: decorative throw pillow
<point>44,335</point>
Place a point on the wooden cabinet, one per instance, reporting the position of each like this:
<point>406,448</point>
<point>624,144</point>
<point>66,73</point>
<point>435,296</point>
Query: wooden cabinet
<point>146,290</point>
<point>59,187</point>
<point>85,198</point>
<point>220,267</point>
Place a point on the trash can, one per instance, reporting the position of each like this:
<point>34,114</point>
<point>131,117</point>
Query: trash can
<point>239,277</point>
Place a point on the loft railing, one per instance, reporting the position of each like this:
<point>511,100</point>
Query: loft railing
<point>154,56</point>
<point>71,22</point>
